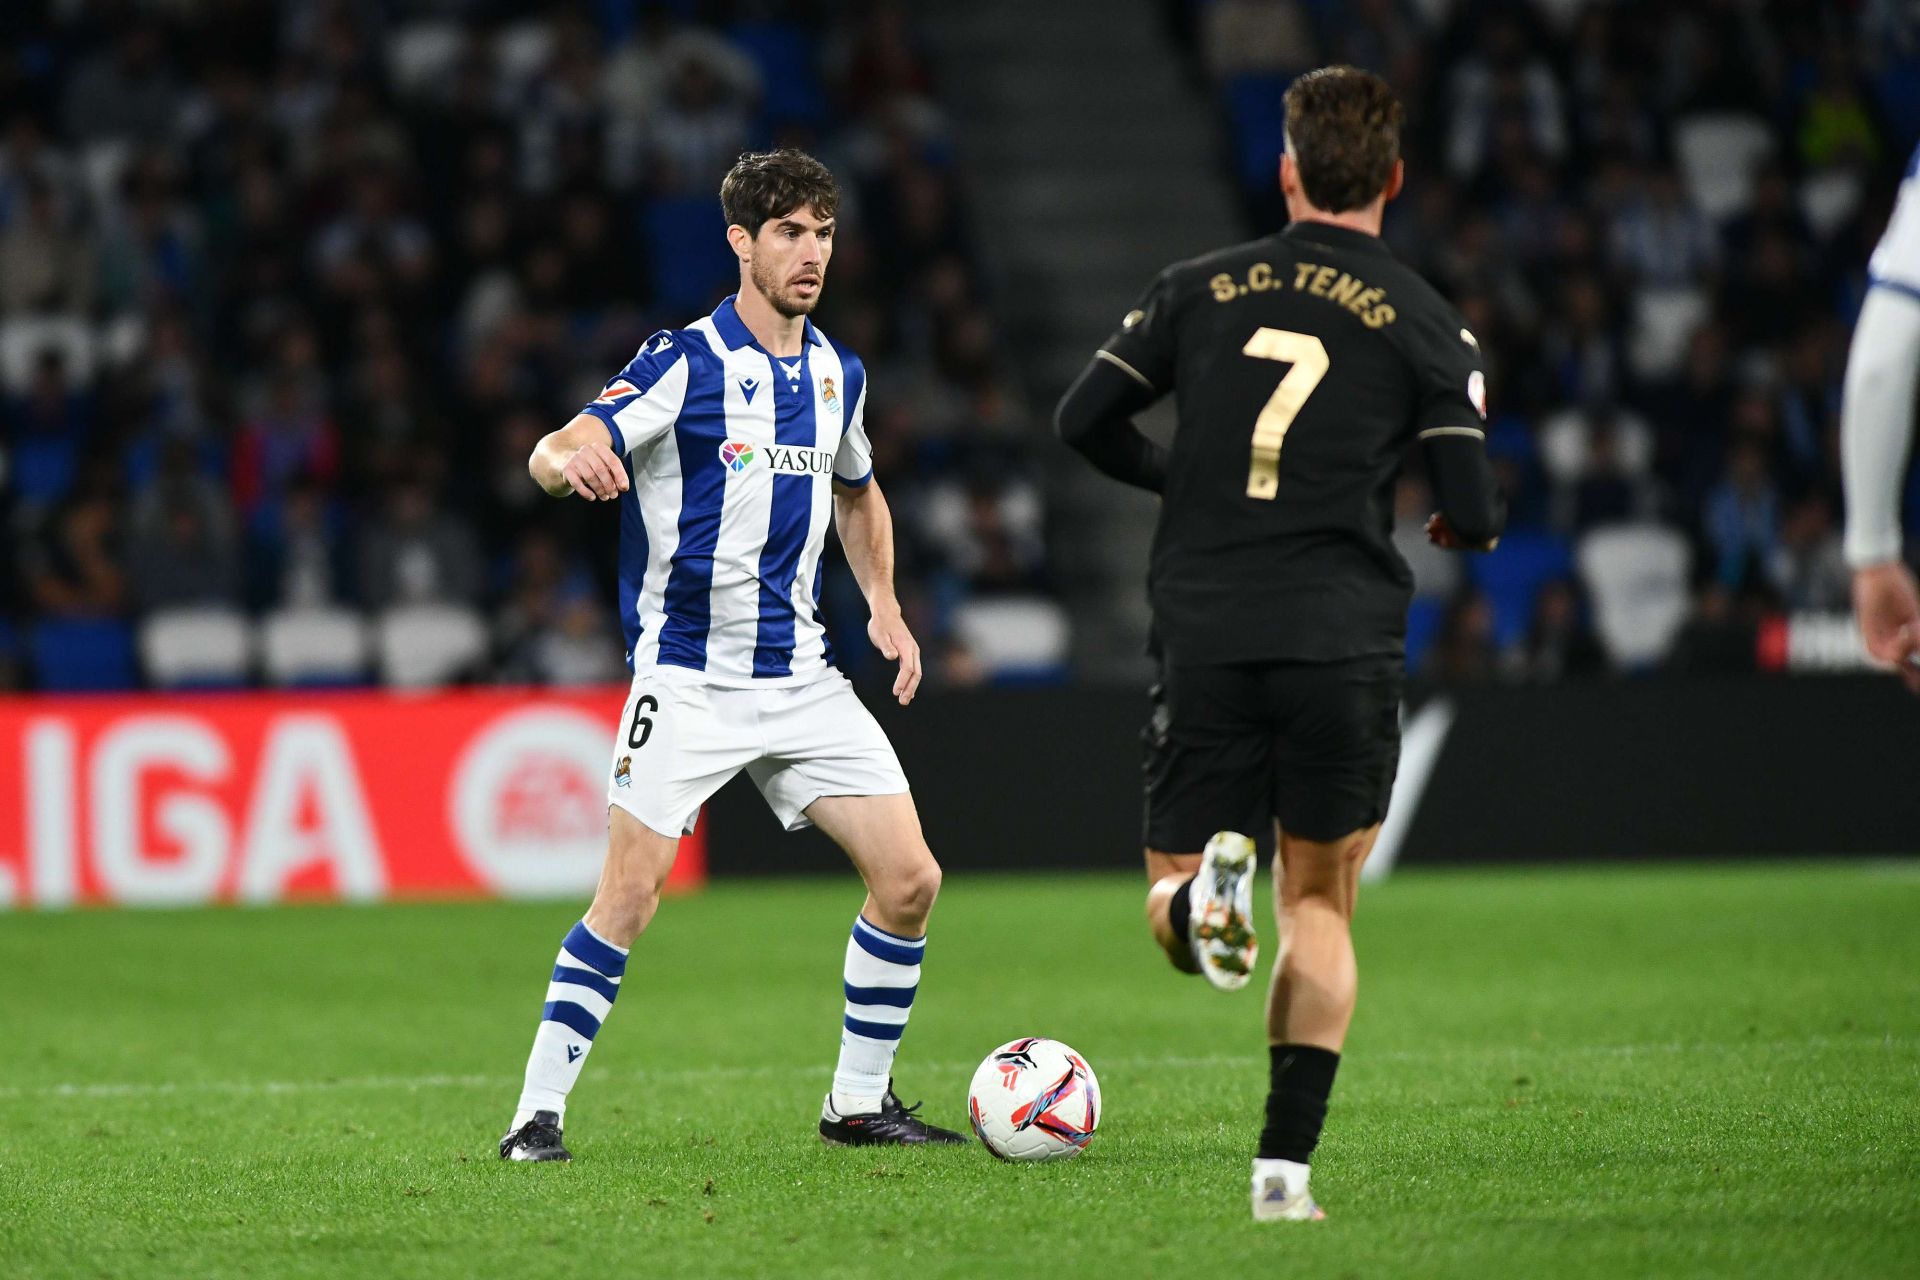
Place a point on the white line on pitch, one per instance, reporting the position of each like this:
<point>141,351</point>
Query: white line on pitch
<point>1248,1062</point>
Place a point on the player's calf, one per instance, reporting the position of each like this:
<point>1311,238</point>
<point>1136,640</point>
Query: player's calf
<point>584,983</point>
<point>638,861</point>
<point>881,975</point>
<point>880,980</point>
<point>1169,910</point>
<point>1309,1007</point>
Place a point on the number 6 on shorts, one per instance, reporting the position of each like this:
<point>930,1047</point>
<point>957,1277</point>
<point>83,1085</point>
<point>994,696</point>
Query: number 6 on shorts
<point>642,727</point>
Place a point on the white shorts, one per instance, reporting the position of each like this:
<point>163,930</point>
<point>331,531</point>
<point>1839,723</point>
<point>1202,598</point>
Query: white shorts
<point>681,739</point>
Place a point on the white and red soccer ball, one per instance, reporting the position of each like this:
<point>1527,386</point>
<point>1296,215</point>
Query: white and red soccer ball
<point>1034,1099</point>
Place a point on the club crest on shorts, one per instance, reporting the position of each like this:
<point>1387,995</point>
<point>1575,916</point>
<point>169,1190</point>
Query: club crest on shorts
<point>829,396</point>
<point>736,454</point>
<point>623,772</point>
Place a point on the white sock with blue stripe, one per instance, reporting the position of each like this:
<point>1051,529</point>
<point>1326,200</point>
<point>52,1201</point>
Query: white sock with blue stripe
<point>883,972</point>
<point>585,982</point>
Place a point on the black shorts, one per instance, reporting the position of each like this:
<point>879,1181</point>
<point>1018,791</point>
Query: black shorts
<point>1231,748</point>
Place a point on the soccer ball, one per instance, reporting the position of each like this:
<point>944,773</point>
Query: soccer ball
<point>1034,1099</point>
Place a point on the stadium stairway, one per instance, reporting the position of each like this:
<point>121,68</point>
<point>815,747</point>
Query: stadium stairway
<point>1093,163</point>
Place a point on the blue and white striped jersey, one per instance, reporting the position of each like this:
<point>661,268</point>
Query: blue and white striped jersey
<point>732,454</point>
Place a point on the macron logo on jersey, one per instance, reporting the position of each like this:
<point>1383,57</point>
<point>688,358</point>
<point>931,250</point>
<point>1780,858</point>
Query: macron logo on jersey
<point>786,459</point>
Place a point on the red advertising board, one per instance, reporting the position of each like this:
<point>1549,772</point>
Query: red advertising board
<point>177,800</point>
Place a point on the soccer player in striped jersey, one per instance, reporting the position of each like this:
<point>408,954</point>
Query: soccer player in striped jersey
<point>1876,437</point>
<point>729,446</point>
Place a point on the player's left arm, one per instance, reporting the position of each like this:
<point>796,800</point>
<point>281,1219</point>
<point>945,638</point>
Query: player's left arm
<point>1451,425</point>
<point>1472,511</point>
<point>1876,436</point>
<point>866,532</point>
<point>865,523</point>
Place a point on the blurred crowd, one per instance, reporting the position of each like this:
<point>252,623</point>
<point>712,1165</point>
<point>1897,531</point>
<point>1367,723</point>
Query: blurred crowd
<point>1656,218</point>
<point>288,291</point>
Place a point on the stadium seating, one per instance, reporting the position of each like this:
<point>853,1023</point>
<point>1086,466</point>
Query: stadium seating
<point>421,54</point>
<point>1566,444</point>
<point>1663,321</point>
<point>689,260</point>
<point>791,94</point>
<point>1424,617</point>
<point>521,49</point>
<point>314,647</point>
<point>1717,152</point>
<point>76,654</point>
<point>1828,199</point>
<point>1018,639</point>
<point>196,647</point>
<point>1636,576</point>
<point>426,645</point>
<point>103,162</point>
<point>24,339</point>
<point>1257,108</point>
<point>1512,575</point>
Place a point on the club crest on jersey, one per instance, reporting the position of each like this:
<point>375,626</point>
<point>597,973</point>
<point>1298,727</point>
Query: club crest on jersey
<point>623,772</point>
<point>736,455</point>
<point>828,396</point>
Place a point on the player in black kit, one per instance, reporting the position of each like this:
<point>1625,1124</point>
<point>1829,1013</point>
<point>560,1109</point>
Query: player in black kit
<point>1303,366</point>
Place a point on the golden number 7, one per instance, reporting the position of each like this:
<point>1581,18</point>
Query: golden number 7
<point>1309,360</point>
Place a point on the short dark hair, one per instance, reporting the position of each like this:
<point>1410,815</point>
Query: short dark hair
<point>763,185</point>
<point>1343,128</point>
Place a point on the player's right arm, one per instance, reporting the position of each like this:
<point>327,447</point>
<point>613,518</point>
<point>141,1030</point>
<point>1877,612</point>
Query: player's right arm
<point>1130,372</point>
<point>578,459</point>
<point>637,407</point>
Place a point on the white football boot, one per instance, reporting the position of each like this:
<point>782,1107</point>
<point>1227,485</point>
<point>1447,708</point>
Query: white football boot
<point>1220,912</point>
<point>1280,1193</point>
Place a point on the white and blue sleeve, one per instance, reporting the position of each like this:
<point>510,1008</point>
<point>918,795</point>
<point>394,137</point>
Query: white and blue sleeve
<point>1876,422</point>
<point>853,461</point>
<point>1896,259</point>
<point>641,403</point>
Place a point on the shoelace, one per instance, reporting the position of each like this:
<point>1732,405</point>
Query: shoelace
<point>537,1133</point>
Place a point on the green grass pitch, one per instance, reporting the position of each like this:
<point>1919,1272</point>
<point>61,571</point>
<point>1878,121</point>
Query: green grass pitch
<point>1634,1072</point>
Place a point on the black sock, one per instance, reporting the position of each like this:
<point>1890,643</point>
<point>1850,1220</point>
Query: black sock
<point>1297,1100</point>
<point>1179,909</point>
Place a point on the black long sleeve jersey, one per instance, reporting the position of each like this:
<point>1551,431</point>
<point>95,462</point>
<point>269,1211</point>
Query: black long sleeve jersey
<point>1303,365</point>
